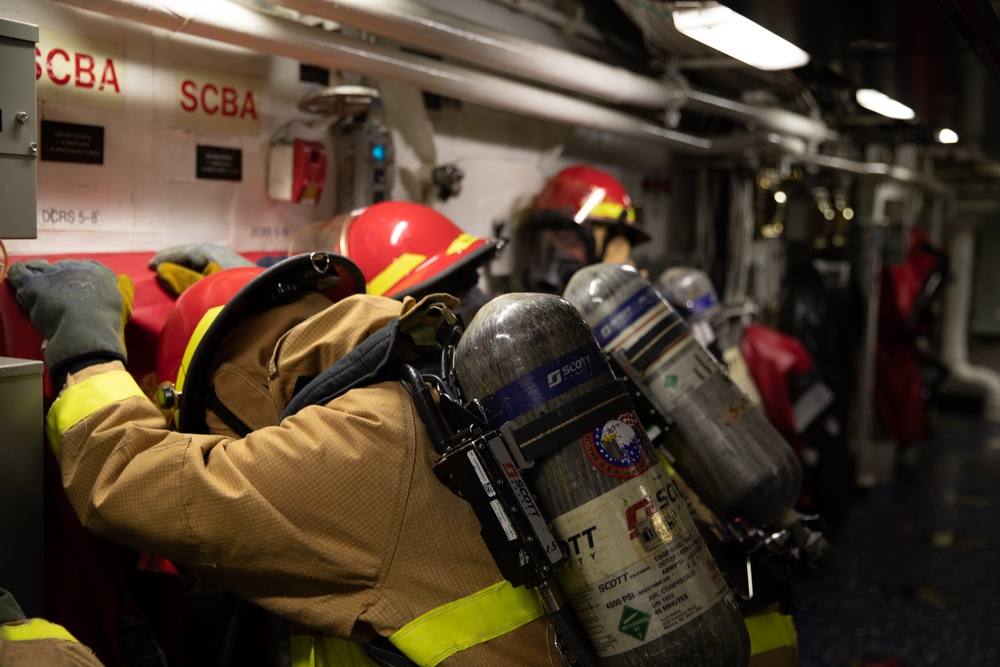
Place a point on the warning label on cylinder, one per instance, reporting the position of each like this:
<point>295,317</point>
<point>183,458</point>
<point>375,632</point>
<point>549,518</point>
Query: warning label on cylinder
<point>678,374</point>
<point>657,343</point>
<point>634,623</point>
<point>638,567</point>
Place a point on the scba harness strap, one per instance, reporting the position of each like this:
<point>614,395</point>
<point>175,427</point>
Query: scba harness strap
<point>413,338</point>
<point>361,366</point>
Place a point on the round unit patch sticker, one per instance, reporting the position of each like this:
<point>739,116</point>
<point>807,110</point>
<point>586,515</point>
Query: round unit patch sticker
<point>619,448</point>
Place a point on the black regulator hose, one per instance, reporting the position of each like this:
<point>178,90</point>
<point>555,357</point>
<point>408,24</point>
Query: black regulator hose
<point>423,400</point>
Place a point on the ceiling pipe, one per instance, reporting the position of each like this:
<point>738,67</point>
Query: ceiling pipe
<point>780,143</point>
<point>875,169</point>
<point>225,21</point>
<point>766,117</point>
<point>231,23</point>
<point>414,24</point>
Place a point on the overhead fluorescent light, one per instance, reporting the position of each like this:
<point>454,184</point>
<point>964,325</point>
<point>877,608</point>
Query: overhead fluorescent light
<point>881,103</point>
<point>946,136</point>
<point>737,36</point>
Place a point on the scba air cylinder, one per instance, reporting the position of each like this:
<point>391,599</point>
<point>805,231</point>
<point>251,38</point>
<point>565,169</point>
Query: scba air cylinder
<point>639,575</point>
<point>727,451</point>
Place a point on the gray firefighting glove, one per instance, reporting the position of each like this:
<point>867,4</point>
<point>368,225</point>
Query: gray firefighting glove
<point>197,257</point>
<point>179,267</point>
<point>79,307</point>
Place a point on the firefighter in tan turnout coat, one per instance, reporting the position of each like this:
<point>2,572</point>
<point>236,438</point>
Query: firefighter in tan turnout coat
<point>330,517</point>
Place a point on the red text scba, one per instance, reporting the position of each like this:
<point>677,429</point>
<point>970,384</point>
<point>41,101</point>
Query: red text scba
<point>212,99</point>
<point>81,70</point>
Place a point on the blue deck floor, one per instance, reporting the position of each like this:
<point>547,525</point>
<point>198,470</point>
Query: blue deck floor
<point>916,576</point>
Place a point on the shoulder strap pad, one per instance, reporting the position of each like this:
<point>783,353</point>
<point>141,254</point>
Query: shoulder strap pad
<point>360,366</point>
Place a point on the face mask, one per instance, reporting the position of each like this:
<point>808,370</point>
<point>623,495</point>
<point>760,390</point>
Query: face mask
<point>471,301</point>
<point>550,271</point>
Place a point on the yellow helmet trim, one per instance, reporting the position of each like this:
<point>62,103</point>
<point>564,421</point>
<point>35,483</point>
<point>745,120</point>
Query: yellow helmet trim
<point>461,242</point>
<point>396,271</point>
<point>199,332</point>
<point>612,211</point>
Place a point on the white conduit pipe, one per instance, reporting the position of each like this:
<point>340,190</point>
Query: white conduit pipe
<point>417,25</point>
<point>878,169</point>
<point>954,329</point>
<point>766,117</point>
<point>225,21</point>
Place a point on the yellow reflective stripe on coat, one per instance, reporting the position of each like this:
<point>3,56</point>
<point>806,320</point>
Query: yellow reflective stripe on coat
<point>34,629</point>
<point>770,631</point>
<point>478,618</point>
<point>392,274</point>
<point>79,401</point>
<point>319,651</point>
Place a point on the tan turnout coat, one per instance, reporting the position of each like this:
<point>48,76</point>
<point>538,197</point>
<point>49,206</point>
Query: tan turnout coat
<point>334,519</point>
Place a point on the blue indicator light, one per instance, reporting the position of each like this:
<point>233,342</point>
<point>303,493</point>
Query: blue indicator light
<point>378,152</point>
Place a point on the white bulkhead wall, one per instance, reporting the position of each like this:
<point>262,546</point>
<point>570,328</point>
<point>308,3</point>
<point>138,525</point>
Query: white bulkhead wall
<point>146,196</point>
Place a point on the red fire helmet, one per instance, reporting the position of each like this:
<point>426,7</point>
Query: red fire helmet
<point>211,307</point>
<point>402,248</point>
<point>583,195</point>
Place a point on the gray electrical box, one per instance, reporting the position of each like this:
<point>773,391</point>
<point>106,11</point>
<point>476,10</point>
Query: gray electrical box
<point>18,130</point>
<point>21,459</point>
<point>364,163</point>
